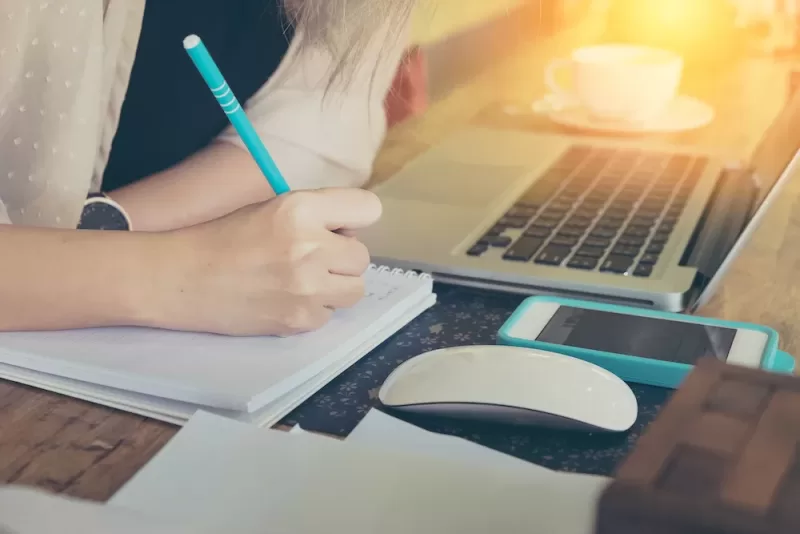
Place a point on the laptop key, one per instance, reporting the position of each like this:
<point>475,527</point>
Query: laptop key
<point>587,211</point>
<point>500,241</point>
<point>623,250</point>
<point>660,238</point>
<point>567,198</point>
<point>514,222</point>
<point>496,230</point>
<point>561,205</point>
<point>654,248</point>
<point>615,215</point>
<point>628,195</point>
<point>603,232</point>
<point>630,241</point>
<point>648,213</point>
<point>640,177</point>
<point>617,212</point>
<point>610,223</point>
<point>666,227</point>
<point>523,249</point>
<point>675,209</point>
<point>478,249</point>
<point>617,264</point>
<point>553,255</point>
<point>662,188</point>
<point>648,259</point>
<point>636,231</point>
<point>597,242</point>
<point>553,214</point>
<point>564,240</point>
<point>596,197</point>
<point>537,231</point>
<point>643,221</point>
<point>521,211</point>
<point>579,222</point>
<point>593,204</point>
<point>576,187</point>
<point>591,252</point>
<point>643,270</point>
<point>572,232</point>
<point>538,194</point>
<point>608,183</point>
<point>625,205</point>
<point>658,197</point>
<point>546,223</point>
<point>582,262</point>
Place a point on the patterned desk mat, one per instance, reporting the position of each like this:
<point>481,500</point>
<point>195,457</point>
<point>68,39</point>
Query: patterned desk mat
<point>468,317</point>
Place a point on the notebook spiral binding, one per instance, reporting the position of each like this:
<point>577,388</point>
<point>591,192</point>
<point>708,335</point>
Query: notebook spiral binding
<point>398,272</point>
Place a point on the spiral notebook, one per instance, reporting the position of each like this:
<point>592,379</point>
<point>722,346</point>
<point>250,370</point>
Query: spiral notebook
<point>170,375</point>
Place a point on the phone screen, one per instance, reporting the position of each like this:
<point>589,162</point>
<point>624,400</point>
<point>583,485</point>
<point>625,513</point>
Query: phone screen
<point>645,337</point>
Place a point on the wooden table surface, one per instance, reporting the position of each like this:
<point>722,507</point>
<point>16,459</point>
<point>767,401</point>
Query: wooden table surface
<point>68,446</point>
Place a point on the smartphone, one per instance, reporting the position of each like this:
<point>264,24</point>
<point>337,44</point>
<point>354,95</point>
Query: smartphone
<point>638,345</point>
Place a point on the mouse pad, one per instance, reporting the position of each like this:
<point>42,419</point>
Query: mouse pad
<point>469,317</point>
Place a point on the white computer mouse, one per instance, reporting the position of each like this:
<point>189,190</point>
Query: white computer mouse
<point>512,385</point>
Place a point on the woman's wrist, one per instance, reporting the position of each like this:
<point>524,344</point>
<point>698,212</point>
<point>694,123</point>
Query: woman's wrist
<point>153,283</point>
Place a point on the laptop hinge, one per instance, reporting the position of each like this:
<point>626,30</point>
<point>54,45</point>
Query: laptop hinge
<point>721,224</point>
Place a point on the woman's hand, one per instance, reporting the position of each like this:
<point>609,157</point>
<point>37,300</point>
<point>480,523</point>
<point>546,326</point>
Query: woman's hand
<point>279,267</point>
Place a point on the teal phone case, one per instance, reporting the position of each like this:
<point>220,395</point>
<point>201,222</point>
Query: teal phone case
<point>634,368</point>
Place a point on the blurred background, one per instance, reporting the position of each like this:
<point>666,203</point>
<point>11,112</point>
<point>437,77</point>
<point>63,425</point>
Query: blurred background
<point>455,40</point>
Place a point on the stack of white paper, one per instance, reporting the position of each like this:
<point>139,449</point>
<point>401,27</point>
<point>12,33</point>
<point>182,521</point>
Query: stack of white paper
<point>170,375</point>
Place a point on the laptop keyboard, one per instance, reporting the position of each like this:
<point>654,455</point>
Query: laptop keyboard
<point>598,209</point>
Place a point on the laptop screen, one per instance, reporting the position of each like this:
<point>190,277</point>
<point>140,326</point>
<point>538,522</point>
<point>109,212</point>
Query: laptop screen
<point>771,163</point>
<point>776,150</point>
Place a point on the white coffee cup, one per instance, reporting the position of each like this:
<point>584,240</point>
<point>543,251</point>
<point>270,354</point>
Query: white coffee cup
<point>618,81</point>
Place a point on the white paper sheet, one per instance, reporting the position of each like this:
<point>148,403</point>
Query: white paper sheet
<point>383,431</point>
<point>27,511</point>
<point>178,413</point>
<point>232,477</point>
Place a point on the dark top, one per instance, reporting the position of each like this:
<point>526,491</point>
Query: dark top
<point>169,112</point>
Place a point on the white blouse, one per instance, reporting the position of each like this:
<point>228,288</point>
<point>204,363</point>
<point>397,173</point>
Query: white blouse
<point>64,71</point>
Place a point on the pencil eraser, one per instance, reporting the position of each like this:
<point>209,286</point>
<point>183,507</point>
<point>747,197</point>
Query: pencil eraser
<point>191,41</point>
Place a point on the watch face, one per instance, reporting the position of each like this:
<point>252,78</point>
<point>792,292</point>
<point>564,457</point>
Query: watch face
<point>99,214</point>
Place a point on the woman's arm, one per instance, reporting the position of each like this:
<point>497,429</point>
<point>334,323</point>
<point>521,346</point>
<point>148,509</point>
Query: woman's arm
<point>57,279</point>
<point>278,267</point>
<point>212,183</point>
<point>319,135</point>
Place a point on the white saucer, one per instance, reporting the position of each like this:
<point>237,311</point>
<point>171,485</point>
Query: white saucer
<point>684,113</point>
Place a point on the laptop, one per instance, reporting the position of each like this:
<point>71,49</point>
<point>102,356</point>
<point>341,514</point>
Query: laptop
<point>637,224</point>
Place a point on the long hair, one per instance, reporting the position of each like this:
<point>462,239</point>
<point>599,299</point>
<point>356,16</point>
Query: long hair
<point>345,27</point>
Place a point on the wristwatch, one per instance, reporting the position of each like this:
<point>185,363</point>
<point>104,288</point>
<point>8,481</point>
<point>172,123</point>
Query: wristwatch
<point>101,213</point>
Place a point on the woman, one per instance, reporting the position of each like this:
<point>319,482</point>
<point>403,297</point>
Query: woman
<point>99,95</point>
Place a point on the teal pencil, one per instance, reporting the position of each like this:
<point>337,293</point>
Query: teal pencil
<point>235,112</point>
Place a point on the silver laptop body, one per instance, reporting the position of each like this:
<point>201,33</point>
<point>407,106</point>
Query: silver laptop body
<point>448,212</point>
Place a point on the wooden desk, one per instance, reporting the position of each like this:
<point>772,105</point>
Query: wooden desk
<point>88,451</point>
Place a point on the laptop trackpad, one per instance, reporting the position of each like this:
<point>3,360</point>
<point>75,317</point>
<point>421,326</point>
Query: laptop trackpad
<point>453,183</point>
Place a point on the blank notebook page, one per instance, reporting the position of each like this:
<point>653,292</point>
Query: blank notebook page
<point>216,371</point>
